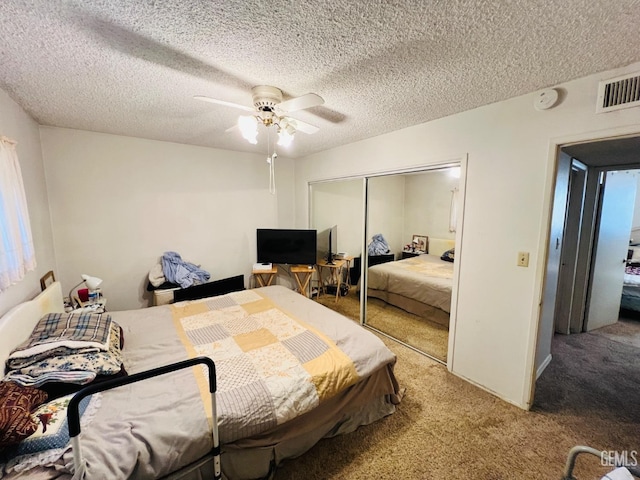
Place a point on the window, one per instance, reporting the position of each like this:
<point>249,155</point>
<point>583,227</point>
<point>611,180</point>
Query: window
<point>17,255</point>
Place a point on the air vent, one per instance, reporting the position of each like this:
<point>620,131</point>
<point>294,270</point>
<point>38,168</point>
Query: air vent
<point>617,93</point>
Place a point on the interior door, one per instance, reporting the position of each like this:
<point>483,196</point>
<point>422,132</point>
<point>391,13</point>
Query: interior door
<point>612,242</point>
<point>570,245</point>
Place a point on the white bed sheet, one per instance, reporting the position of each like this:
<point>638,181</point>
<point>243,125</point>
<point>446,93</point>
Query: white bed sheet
<point>425,278</point>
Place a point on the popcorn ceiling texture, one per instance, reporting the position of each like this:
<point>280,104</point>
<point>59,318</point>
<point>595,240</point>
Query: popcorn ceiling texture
<point>132,67</point>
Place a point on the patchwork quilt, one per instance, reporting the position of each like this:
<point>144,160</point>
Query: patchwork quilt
<point>270,366</point>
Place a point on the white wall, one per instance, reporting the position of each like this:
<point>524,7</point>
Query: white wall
<point>386,210</point>
<point>118,203</point>
<point>428,204</point>
<point>509,175</point>
<point>636,210</point>
<point>399,207</point>
<point>339,203</point>
<point>16,124</point>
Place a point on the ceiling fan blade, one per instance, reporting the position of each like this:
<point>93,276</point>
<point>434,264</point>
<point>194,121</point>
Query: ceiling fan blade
<point>222,102</point>
<point>300,103</point>
<point>303,127</point>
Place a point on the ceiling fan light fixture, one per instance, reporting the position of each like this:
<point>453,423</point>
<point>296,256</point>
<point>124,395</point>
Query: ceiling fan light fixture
<point>285,136</point>
<point>248,128</point>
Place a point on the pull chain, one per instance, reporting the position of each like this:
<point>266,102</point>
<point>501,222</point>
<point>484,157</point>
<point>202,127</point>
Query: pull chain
<point>271,160</point>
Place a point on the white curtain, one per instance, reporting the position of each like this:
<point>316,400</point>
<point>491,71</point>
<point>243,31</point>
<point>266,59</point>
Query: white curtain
<point>17,255</point>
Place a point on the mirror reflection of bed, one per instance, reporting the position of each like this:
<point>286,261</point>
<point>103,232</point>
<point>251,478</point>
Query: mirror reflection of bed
<point>408,299</point>
<point>627,328</point>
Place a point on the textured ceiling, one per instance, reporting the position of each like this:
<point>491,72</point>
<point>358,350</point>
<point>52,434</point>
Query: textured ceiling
<point>132,67</point>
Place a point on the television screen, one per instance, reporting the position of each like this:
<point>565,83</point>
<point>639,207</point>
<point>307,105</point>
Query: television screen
<point>293,247</point>
<point>328,244</point>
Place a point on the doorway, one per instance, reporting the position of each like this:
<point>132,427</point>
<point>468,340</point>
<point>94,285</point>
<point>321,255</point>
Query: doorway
<point>566,300</point>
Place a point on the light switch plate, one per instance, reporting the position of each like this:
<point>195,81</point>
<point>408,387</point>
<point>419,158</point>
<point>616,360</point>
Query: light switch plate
<point>523,259</point>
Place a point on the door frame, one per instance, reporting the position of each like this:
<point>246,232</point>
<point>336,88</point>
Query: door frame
<point>531,370</point>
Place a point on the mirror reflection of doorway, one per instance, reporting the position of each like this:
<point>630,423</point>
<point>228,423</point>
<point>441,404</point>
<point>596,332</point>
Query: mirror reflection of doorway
<point>410,226</point>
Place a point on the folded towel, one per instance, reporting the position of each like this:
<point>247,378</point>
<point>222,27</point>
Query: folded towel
<point>156,275</point>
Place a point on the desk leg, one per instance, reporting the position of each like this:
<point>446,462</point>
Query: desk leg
<point>264,282</point>
<point>304,283</point>
<point>348,264</point>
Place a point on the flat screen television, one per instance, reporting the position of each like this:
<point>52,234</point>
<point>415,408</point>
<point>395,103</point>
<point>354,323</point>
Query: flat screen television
<point>286,246</point>
<point>328,244</point>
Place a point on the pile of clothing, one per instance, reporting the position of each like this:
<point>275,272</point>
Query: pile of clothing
<point>175,271</point>
<point>64,352</point>
<point>378,245</point>
<point>67,349</point>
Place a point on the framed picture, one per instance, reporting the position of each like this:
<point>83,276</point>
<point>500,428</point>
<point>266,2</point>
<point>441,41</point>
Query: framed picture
<point>420,243</point>
<point>47,279</point>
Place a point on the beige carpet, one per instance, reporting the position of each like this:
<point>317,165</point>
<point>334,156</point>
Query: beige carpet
<point>413,330</point>
<point>626,330</point>
<point>446,428</point>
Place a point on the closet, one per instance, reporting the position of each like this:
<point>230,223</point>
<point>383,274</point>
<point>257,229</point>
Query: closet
<point>396,207</point>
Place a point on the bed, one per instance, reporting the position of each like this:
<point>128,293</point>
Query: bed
<point>420,285</point>
<point>630,301</point>
<point>275,400</point>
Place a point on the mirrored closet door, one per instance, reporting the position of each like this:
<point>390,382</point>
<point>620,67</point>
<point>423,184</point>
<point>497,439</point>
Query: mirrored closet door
<point>412,216</point>
<point>338,206</point>
<point>402,227</point>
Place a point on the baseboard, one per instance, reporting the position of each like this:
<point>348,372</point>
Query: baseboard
<point>542,366</point>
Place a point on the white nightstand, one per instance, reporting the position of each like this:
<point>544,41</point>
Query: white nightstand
<point>163,296</point>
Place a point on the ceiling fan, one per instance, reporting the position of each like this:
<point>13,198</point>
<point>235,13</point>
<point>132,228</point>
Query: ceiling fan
<point>269,109</point>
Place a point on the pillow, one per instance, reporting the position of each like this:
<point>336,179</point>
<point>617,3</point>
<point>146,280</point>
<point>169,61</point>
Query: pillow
<point>16,404</point>
<point>448,256</point>
<point>634,256</point>
<point>51,438</point>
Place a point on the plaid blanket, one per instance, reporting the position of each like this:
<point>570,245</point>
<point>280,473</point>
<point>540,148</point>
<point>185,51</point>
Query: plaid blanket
<point>270,366</point>
<point>58,334</point>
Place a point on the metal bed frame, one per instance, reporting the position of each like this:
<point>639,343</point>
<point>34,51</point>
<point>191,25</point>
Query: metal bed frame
<point>73,412</point>
<point>577,450</point>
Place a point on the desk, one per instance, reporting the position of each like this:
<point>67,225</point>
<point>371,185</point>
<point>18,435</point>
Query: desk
<point>302,274</point>
<point>265,277</point>
<point>335,274</point>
